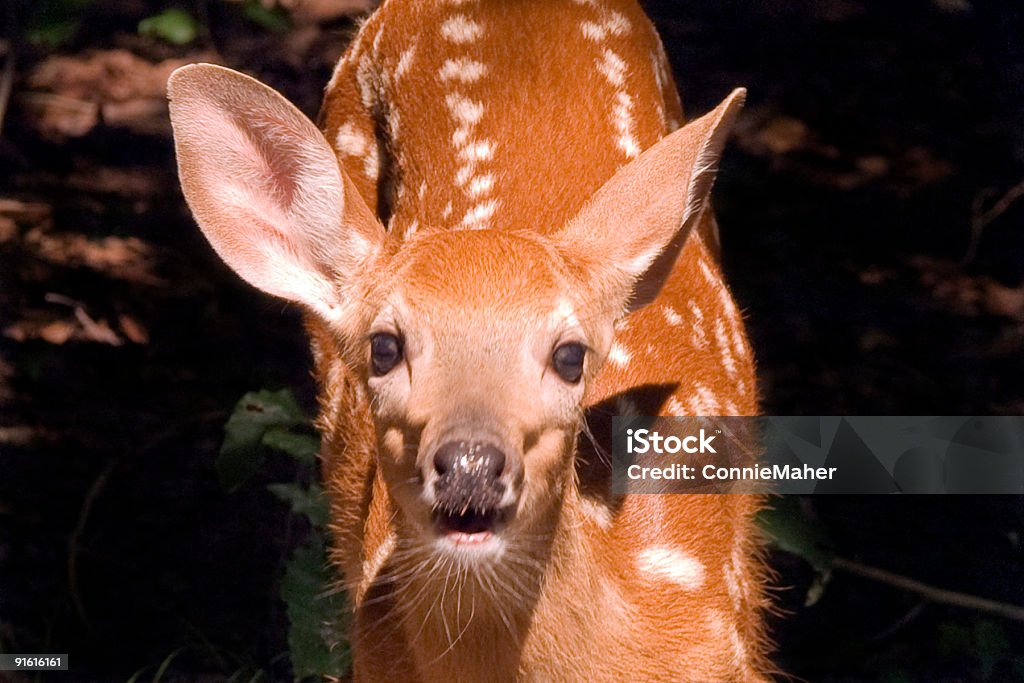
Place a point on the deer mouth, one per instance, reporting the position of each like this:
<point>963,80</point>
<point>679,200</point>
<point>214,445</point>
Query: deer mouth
<point>468,526</point>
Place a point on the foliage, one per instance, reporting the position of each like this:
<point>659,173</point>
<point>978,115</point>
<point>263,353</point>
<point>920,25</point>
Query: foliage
<point>272,19</point>
<point>791,530</point>
<point>174,25</point>
<point>272,420</point>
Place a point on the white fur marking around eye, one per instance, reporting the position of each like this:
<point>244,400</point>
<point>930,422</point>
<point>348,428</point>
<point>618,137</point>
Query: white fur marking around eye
<point>462,69</point>
<point>461,29</point>
<point>618,355</point>
<point>672,564</point>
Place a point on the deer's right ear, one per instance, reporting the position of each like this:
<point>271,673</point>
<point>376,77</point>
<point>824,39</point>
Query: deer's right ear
<point>266,188</point>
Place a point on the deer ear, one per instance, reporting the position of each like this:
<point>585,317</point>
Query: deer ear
<point>267,190</point>
<point>632,230</point>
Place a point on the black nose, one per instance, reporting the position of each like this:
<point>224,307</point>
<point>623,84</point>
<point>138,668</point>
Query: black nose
<point>469,458</point>
<point>469,475</point>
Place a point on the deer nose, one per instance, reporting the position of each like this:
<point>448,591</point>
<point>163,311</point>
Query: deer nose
<point>469,475</point>
<point>469,458</point>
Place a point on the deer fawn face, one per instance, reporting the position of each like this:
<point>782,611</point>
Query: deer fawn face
<point>476,352</point>
<point>475,346</point>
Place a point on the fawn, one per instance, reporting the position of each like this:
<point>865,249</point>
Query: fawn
<point>501,233</point>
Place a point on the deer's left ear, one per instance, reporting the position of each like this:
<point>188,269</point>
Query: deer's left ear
<point>630,233</point>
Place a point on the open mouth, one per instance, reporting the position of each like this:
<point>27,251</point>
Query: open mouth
<point>467,526</point>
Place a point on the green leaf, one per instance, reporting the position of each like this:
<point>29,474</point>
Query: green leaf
<point>242,451</point>
<point>174,25</point>
<point>52,35</point>
<point>791,530</point>
<point>317,615</point>
<point>310,502</point>
<point>272,19</point>
<point>302,447</point>
<point>52,23</point>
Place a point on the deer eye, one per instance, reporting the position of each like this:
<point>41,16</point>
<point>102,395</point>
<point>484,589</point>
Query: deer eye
<point>568,361</point>
<point>385,352</point>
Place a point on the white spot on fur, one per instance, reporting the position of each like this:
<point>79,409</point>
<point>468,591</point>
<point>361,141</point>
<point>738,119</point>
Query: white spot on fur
<point>706,401</point>
<point>477,151</point>
<point>394,121</point>
<point>613,68</point>
<point>447,210</point>
<point>597,512</point>
<point>672,564</point>
<point>674,408</point>
<point>462,69</point>
<point>464,110</point>
<point>477,216</point>
<point>464,173</point>
<point>732,585</point>
<point>350,142</point>
<point>405,61</point>
<point>371,165</point>
<point>461,29</point>
<point>613,23</point>
<point>671,317</point>
<point>622,119</point>
<point>412,228</point>
<point>700,338</point>
<point>422,192</point>
<point>724,347</point>
<point>364,78</point>
<point>593,31</point>
<point>618,355</point>
<point>481,185</point>
<point>460,137</point>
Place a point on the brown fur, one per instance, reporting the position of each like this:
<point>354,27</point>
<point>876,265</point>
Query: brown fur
<point>583,229</point>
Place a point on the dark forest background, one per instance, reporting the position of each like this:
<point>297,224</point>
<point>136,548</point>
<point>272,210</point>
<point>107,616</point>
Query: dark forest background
<point>873,232</point>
